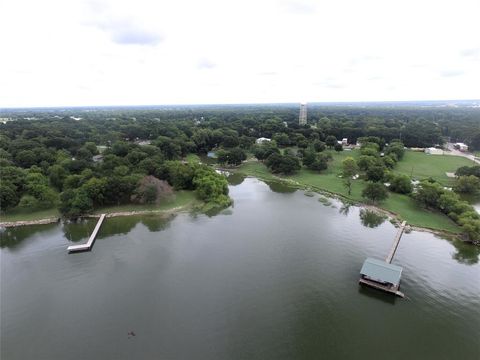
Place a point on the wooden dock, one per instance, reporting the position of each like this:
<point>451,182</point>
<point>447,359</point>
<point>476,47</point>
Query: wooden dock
<point>391,289</point>
<point>89,244</point>
<point>391,254</point>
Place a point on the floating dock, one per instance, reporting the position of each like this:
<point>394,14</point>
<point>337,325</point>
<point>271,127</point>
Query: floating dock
<point>383,275</point>
<point>89,244</point>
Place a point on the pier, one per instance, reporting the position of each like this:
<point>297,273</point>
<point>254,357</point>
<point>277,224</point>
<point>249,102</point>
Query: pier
<point>89,244</point>
<point>383,275</point>
<point>396,241</point>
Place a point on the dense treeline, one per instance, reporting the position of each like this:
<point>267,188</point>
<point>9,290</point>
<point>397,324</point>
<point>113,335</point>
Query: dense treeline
<point>79,160</point>
<point>415,126</point>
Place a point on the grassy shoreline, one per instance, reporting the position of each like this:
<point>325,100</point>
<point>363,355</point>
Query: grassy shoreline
<point>400,206</point>
<point>327,182</point>
<point>184,200</point>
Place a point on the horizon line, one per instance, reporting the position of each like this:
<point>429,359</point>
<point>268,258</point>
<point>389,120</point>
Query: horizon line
<point>237,104</point>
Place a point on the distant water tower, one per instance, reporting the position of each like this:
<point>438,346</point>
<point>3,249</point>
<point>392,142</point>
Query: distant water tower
<point>302,120</point>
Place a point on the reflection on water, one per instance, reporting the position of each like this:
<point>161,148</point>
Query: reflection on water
<point>78,230</point>
<point>235,179</point>
<point>370,218</point>
<point>466,253</point>
<point>12,237</point>
<point>377,294</point>
<point>344,209</point>
<point>156,223</point>
<point>280,187</point>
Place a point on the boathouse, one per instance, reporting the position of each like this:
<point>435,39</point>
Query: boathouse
<point>381,275</point>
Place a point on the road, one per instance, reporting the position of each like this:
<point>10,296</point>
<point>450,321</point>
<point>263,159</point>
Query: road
<point>455,152</point>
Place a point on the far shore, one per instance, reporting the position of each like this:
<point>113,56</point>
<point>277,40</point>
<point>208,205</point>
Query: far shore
<point>52,220</point>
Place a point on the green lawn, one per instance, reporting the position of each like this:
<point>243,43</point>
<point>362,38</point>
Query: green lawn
<point>183,198</point>
<point>23,215</point>
<point>420,166</point>
<point>329,181</point>
<point>193,158</point>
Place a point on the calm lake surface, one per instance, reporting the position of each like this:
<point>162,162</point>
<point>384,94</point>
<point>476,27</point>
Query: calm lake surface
<point>274,277</point>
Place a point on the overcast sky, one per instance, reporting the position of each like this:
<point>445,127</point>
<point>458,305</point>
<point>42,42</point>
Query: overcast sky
<point>139,52</point>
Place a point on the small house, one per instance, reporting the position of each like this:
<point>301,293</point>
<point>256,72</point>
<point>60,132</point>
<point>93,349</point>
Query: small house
<point>97,158</point>
<point>345,141</point>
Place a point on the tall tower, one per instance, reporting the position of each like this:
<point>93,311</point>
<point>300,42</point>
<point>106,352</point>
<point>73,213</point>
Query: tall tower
<point>302,120</point>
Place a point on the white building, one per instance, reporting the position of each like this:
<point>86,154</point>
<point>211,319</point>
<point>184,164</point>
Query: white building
<point>345,141</point>
<point>262,139</point>
<point>433,151</point>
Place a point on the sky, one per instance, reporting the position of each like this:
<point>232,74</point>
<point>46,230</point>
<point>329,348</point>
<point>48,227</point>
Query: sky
<point>141,52</point>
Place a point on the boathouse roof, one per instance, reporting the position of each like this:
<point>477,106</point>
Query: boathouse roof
<point>381,271</point>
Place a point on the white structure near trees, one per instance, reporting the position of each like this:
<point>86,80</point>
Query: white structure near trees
<point>433,151</point>
<point>262,139</point>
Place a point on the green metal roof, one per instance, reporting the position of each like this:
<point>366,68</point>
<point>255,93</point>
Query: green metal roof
<point>381,271</point>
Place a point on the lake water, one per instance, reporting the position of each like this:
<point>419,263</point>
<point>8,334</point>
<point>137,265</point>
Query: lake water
<point>274,277</point>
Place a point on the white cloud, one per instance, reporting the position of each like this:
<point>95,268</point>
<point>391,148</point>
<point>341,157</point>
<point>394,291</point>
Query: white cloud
<point>185,51</point>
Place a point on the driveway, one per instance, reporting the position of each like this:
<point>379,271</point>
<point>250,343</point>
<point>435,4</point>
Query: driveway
<point>455,152</point>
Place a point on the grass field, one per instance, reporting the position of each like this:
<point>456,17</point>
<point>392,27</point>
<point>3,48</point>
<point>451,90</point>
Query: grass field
<point>183,199</point>
<point>23,215</point>
<point>421,166</point>
<point>329,181</point>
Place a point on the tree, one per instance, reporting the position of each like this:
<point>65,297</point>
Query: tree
<point>8,195</point>
<point>211,187</point>
<point>375,192</point>
<point>284,164</point>
<point>467,184</point>
<point>319,146</point>
<point>349,169</point>
<point>281,139</point>
<point>396,147</point>
<point>233,156</point>
<point>375,173</point>
<point>74,203</point>
<point>428,193</point>
<point>150,194</point>
<point>338,147</point>
<point>468,170</point>
<point>365,162</point>
<point>401,184</point>
<point>474,143</point>
<point>57,175</point>
<point>264,150</point>
<point>26,158</point>
<point>320,162</point>
<point>330,141</point>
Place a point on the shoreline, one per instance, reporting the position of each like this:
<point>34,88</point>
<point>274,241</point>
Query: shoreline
<point>391,215</point>
<point>394,218</point>
<point>177,209</point>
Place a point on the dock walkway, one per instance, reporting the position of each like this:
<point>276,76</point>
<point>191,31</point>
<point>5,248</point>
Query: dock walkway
<point>396,241</point>
<point>89,244</point>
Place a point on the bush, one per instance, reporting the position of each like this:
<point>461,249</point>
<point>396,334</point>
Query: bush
<point>467,184</point>
<point>283,164</point>
<point>401,184</point>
